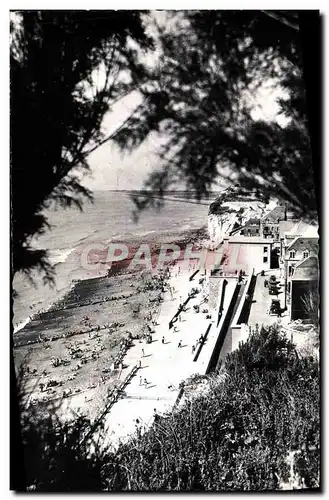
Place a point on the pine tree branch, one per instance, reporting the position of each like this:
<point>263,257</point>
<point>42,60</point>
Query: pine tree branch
<point>282,20</point>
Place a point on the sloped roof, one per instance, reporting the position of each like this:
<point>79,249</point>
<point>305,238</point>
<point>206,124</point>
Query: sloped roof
<point>293,242</point>
<point>278,212</point>
<point>285,226</point>
<point>253,221</point>
<point>302,227</point>
<point>308,243</point>
<point>274,215</point>
<point>311,232</point>
<point>307,270</point>
<point>297,229</point>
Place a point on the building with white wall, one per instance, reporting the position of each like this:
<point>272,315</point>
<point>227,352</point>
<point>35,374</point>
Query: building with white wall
<point>248,253</point>
<point>299,249</point>
<point>301,242</point>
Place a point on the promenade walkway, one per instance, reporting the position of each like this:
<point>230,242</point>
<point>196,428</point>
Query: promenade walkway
<point>163,366</point>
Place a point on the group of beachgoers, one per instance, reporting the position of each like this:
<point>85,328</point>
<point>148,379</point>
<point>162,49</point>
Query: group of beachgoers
<point>178,315</point>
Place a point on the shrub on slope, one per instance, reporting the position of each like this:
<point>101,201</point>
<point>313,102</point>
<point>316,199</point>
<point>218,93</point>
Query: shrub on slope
<point>238,435</point>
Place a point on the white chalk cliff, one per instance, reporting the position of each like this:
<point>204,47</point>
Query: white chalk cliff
<point>231,210</point>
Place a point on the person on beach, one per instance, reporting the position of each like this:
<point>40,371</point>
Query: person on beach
<point>145,382</point>
<point>154,322</point>
<point>140,380</point>
<point>138,427</point>
<point>193,349</point>
<point>143,353</point>
<point>179,317</point>
<point>139,364</point>
<point>163,340</point>
<point>176,329</point>
<point>179,344</point>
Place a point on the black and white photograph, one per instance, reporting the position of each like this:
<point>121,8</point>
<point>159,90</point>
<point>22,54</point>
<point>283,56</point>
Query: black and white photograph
<point>165,230</point>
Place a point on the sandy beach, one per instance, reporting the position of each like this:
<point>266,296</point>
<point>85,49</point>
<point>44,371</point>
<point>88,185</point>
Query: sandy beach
<point>69,353</point>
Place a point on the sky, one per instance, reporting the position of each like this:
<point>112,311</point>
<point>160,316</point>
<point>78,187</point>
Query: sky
<point>111,169</point>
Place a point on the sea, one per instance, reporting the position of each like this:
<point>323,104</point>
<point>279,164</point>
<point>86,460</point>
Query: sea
<point>110,217</point>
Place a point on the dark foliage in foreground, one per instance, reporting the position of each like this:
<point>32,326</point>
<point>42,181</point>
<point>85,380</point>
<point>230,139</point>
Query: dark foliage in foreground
<point>200,99</point>
<point>61,456</point>
<point>57,109</point>
<point>263,405</point>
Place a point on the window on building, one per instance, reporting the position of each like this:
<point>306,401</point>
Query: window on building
<point>305,254</point>
<point>265,259</point>
<point>292,254</point>
<point>266,229</point>
<point>265,249</point>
